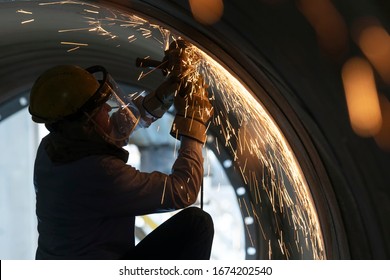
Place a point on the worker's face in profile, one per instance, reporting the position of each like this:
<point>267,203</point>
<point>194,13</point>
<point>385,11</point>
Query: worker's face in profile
<point>102,118</point>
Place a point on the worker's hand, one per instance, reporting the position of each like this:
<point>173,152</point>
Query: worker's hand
<point>177,66</point>
<point>194,110</point>
<point>160,100</point>
<point>176,60</point>
<point>122,122</point>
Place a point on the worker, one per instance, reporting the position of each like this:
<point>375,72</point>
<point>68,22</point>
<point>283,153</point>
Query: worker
<point>87,197</point>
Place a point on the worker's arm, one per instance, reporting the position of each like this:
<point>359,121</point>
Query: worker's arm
<point>187,173</point>
<point>137,193</point>
<point>122,190</point>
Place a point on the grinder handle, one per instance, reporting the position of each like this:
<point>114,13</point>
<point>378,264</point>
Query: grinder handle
<point>151,63</point>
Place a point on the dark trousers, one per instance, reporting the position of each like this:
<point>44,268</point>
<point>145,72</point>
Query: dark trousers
<point>188,235</point>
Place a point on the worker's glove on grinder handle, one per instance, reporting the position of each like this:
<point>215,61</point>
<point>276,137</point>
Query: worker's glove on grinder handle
<point>194,110</point>
<point>160,100</point>
<point>176,60</point>
<point>176,67</point>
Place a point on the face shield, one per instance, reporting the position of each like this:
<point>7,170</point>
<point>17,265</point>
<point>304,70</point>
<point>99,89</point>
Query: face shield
<point>124,115</point>
<point>117,116</point>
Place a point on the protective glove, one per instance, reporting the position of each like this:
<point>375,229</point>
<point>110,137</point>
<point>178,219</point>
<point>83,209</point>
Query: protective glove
<point>177,62</point>
<point>176,66</point>
<point>160,100</point>
<point>194,110</point>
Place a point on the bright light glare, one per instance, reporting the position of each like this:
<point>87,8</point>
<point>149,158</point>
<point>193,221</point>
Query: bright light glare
<point>206,11</point>
<point>329,25</point>
<point>374,41</point>
<point>362,98</point>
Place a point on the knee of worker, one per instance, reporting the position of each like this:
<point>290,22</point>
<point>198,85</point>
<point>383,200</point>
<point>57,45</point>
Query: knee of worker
<point>200,220</point>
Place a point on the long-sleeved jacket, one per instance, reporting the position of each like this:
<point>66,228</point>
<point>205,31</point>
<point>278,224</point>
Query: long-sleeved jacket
<point>86,205</point>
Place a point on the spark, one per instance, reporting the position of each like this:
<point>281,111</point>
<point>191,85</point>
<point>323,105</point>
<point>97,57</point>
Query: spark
<point>68,2</point>
<point>73,49</point>
<point>74,43</point>
<point>175,148</point>
<point>246,226</point>
<point>260,225</point>
<point>141,75</point>
<point>27,21</point>
<point>91,11</point>
<point>217,146</point>
<point>163,194</point>
<point>99,29</point>
<point>24,12</point>
<point>269,250</point>
<point>131,38</point>
<point>72,30</point>
<point>147,33</point>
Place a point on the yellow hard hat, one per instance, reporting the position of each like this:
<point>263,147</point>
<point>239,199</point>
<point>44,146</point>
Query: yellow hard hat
<point>62,91</point>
